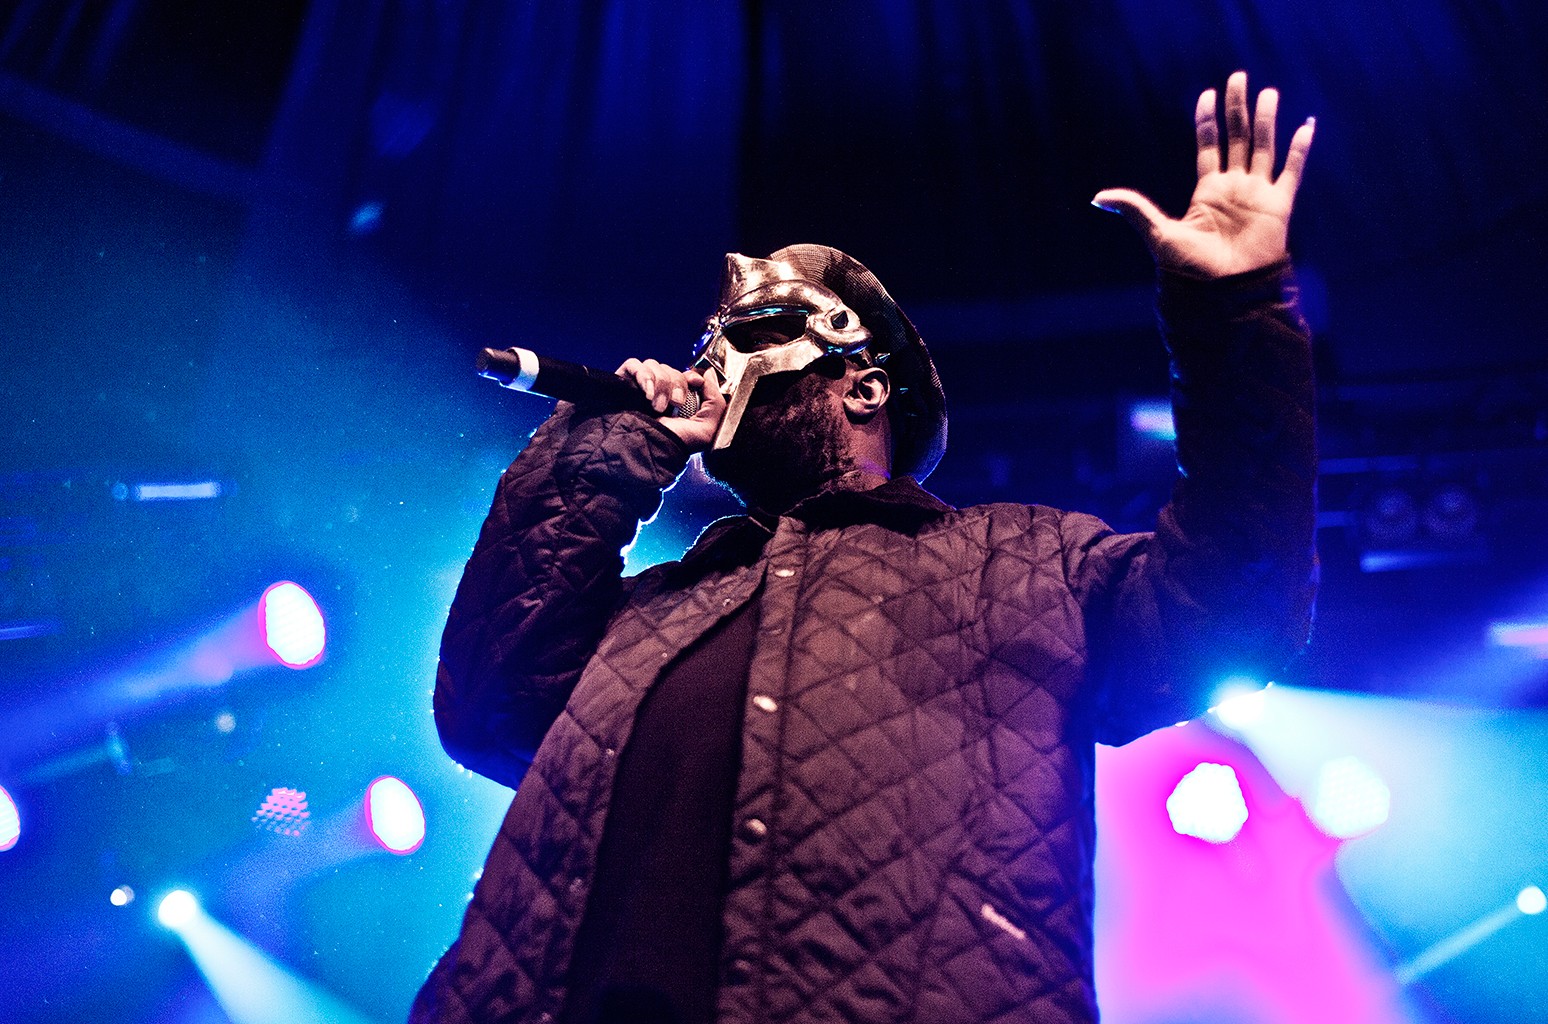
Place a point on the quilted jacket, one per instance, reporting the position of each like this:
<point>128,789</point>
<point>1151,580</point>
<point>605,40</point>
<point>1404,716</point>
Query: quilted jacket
<point>914,828</point>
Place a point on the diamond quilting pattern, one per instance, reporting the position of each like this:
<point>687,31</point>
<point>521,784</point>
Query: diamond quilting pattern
<point>934,681</point>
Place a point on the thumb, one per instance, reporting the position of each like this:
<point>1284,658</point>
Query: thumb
<point>712,396</point>
<point>1133,207</point>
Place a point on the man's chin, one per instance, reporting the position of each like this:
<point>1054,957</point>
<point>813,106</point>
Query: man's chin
<point>762,480</point>
<point>789,445</point>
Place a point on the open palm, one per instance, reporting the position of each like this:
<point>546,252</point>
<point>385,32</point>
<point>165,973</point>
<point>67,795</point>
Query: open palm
<point>1239,217</point>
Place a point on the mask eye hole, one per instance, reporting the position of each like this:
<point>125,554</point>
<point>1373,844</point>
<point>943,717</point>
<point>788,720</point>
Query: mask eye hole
<point>768,331</point>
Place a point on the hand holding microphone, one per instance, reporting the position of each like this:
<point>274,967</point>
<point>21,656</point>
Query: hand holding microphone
<point>688,403</point>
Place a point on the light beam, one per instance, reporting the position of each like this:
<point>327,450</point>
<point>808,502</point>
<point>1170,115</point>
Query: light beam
<point>251,987</point>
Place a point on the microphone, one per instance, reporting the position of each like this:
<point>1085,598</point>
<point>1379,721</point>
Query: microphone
<point>522,369</point>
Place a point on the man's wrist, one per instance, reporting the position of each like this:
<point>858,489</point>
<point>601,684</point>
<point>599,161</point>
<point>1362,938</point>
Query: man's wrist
<point>1182,296</point>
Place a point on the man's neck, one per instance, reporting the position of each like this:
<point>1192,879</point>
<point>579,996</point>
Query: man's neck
<point>850,480</point>
<point>861,479</point>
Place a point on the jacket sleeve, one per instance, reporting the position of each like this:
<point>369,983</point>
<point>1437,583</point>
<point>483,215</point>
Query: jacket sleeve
<point>543,580</point>
<point>1224,585</point>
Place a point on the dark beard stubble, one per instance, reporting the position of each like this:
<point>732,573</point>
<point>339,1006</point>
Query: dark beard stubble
<point>791,443</point>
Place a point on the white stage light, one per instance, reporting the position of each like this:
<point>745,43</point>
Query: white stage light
<point>1240,703</point>
<point>1208,804</point>
<point>177,909</point>
<point>1531,900</point>
<point>1349,799</point>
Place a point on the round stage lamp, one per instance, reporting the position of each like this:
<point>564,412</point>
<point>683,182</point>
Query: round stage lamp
<point>1350,799</point>
<point>177,908</point>
<point>394,815</point>
<point>10,821</point>
<point>1531,900</point>
<point>293,625</point>
<point>1208,804</point>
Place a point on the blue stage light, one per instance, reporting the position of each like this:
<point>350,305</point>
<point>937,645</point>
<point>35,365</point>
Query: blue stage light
<point>366,218</point>
<point>1208,803</point>
<point>1152,418</point>
<point>10,821</point>
<point>251,986</point>
<point>177,909</point>
<point>395,815</point>
<point>202,489</point>
<point>293,626</point>
<point>1240,702</point>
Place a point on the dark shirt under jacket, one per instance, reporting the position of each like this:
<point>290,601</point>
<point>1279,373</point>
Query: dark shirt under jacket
<point>649,945</point>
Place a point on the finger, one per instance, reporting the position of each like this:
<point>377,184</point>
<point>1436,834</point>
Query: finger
<point>1295,160</point>
<point>711,401</point>
<point>636,371</point>
<point>1206,130</point>
<point>1238,132</point>
<point>645,380</point>
<point>1263,134</point>
<point>671,390</point>
<point>714,388</point>
<point>659,393</point>
<point>1133,207</point>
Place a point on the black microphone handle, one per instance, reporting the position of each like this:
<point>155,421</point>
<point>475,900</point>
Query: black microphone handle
<point>524,370</point>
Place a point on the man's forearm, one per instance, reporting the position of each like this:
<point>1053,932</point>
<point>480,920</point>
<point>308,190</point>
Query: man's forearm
<point>542,581</point>
<point>1241,524</point>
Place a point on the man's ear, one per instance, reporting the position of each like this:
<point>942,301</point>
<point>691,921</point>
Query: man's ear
<point>866,393</point>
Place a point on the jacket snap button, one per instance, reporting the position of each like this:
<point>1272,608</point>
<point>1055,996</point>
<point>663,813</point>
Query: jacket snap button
<point>784,574</point>
<point>754,829</point>
<point>766,703</point>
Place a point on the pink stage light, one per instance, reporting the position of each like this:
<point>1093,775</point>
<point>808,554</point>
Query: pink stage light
<point>1529,636</point>
<point>10,821</point>
<point>1253,929</point>
<point>293,626</point>
<point>284,626</point>
<point>283,812</point>
<point>394,815</point>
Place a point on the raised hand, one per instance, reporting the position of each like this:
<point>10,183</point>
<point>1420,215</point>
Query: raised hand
<point>1239,217</point>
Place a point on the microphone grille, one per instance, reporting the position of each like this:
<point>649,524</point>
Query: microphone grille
<point>690,405</point>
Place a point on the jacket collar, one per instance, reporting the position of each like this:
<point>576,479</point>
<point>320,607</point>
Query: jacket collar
<point>899,504</point>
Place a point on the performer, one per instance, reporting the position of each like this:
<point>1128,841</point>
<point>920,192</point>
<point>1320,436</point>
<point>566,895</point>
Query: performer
<point>836,763</point>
